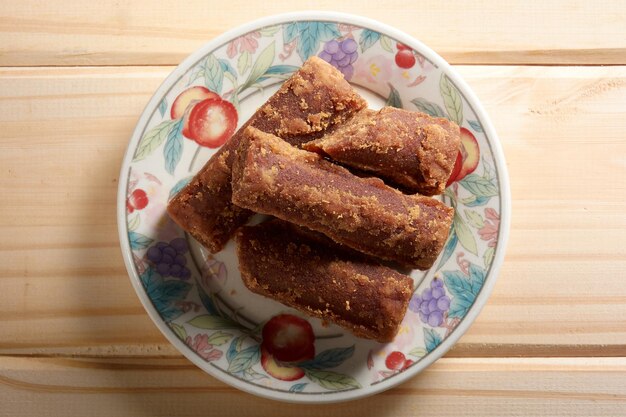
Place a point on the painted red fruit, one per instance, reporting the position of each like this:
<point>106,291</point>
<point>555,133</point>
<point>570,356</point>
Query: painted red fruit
<point>129,207</point>
<point>212,122</point>
<point>470,152</point>
<point>395,360</point>
<point>288,338</point>
<point>458,163</point>
<point>408,363</point>
<point>279,370</point>
<point>185,98</point>
<point>138,199</point>
<point>402,47</point>
<point>405,59</point>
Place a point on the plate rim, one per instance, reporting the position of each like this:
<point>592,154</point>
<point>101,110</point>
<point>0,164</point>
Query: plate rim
<point>499,160</point>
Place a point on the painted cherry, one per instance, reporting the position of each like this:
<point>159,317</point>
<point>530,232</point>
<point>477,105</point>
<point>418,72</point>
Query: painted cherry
<point>395,361</point>
<point>402,47</point>
<point>138,199</point>
<point>405,58</point>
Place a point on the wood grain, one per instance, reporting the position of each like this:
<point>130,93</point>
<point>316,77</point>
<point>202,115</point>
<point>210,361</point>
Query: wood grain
<point>65,290</point>
<point>109,32</point>
<point>451,387</point>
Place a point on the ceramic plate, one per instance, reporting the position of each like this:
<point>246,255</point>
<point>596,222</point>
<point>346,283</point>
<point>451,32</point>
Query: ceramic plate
<point>202,307</point>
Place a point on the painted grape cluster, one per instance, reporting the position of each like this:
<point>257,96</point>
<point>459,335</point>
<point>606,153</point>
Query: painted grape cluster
<point>169,258</point>
<point>341,55</point>
<point>432,304</point>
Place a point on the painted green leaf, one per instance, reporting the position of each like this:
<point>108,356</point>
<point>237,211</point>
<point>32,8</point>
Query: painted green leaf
<point>134,222</point>
<point>431,339</point>
<point>312,34</point>
<point>244,62</point>
<point>245,359</point>
<point>332,380</point>
<point>269,30</point>
<point>252,375</point>
<point>418,352</point>
<point>477,278</point>
<point>385,43</point>
<point>464,234</point>
<point>290,32</point>
<point>462,290</point>
<point>451,99</point>
<point>477,201</point>
<point>428,107</point>
<point>138,241</point>
<point>278,71</point>
<point>488,256</point>
<point>261,65</point>
<point>448,250</point>
<point>368,38</point>
<point>298,387</point>
<point>475,124</point>
<point>219,338</point>
<point>206,321</point>
<point>163,106</point>
<point>458,308</point>
<point>153,139</point>
<point>166,294</point>
<point>394,97</point>
<point>213,74</point>
<point>479,186</point>
<point>474,218</point>
<point>227,68</point>
<point>488,170</point>
<point>234,347</point>
<point>457,283</point>
<point>173,149</point>
<point>179,186</point>
<point>328,359</point>
<point>196,73</point>
<point>179,330</point>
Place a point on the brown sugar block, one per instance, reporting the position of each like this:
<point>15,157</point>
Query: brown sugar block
<point>272,177</point>
<point>323,280</point>
<point>313,100</point>
<point>411,149</point>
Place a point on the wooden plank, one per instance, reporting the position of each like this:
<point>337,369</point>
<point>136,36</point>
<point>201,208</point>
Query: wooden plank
<point>451,387</point>
<point>142,32</point>
<point>65,289</point>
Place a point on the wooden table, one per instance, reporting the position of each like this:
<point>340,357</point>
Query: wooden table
<point>74,339</point>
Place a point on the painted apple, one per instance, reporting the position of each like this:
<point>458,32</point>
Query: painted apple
<point>458,163</point>
<point>197,93</point>
<point>211,122</point>
<point>138,200</point>
<point>469,154</point>
<point>280,370</point>
<point>288,338</point>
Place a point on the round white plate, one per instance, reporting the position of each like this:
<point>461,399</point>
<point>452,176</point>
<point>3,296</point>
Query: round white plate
<point>208,314</point>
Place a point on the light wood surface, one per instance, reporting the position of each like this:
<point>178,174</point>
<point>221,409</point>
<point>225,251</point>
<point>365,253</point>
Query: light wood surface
<point>74,339</point>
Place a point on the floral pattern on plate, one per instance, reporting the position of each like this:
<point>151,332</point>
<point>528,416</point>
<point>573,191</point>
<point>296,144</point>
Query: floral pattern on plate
<point>196,294</point>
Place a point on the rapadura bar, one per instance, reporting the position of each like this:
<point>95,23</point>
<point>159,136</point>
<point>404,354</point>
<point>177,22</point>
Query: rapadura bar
<point>272,177</point>
<point>411,149</point>
<point>313,100</point>
<point>323,279</point>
